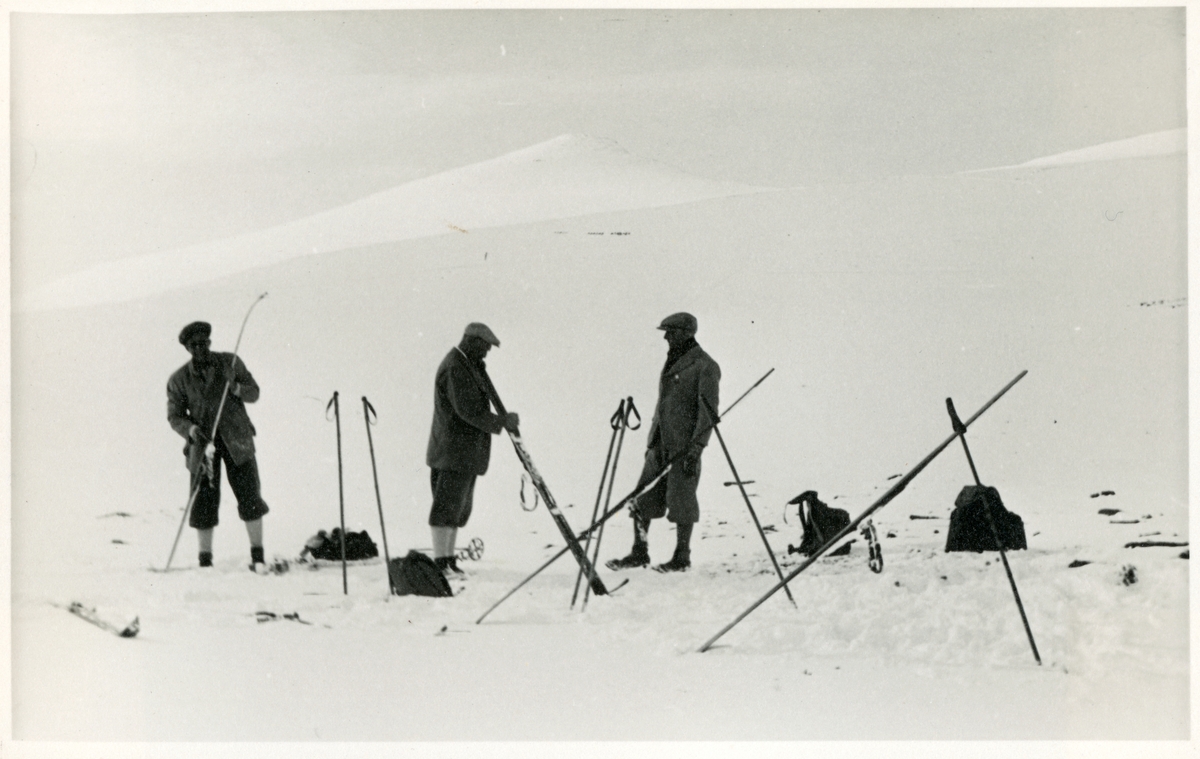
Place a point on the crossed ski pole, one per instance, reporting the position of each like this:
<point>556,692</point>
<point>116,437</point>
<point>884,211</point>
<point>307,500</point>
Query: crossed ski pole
<point>892,492</point>
<point>960,430</point>
<point>742,487</point>
<point>631,498</point>
<point>619,423</point>
<point>196,480</point>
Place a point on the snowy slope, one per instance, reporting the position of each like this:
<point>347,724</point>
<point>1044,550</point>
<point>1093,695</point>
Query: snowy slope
<point>570,175</point>
<point>873,302</point>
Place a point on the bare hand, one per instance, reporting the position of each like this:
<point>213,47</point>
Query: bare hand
<point>511,421</point>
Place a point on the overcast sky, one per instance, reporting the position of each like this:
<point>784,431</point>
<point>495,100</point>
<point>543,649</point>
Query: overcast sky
<point>133,133</point>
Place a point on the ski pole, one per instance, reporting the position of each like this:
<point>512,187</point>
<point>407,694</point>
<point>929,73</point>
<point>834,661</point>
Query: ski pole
<point>637,493</point>
<point>220,407</point>
<point>368,413</point>
<point>337,418</point>
<point>630,410</point>
<point>960,430</point>
<point>742,487</point>
<point>884,499</point>
<point>615,423</point>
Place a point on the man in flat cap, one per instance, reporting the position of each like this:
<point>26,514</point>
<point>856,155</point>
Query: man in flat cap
<point>460,438</point>
<point>194,395</point>
<point>681,427</point>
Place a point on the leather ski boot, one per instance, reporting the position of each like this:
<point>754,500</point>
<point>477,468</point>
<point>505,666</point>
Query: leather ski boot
<point>682,559</point>
<point>639,556</point>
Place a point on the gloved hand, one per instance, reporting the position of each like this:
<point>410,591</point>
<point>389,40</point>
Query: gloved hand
<point>229,376</point>
<point>197,435</point>
<point>691,462</point>
<point>511,422</point>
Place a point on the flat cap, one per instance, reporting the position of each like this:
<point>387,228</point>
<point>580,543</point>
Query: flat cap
<point>480,330</point>
<point>194,330</point>
<point>682,321</point>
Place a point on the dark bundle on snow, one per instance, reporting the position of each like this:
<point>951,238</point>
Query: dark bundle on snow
<point>328,546</point>
<point>969,530</point>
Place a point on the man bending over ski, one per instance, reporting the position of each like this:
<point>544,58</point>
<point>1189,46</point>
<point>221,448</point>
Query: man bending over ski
<point>681,428</point>
<point>194,398</point>
<point>460,438</point>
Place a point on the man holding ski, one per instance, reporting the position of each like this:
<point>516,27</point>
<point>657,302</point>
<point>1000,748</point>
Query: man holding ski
<point>209,391</point>
<point>681,427</point>
<point>460,438</point>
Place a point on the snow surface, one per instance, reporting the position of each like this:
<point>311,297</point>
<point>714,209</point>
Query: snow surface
<point>873,302</point>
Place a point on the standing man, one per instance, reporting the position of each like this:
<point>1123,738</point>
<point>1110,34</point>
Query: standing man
<point>682,426</point>
<point>460,442</point>
<point>194,394</point>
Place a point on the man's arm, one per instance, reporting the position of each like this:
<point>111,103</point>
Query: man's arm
<point>708,388</point>
<point>178,415</point>
<point>468,401</point>
<point>243,385</point>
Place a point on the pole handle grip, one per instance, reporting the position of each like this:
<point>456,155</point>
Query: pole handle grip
<point>959,427</point>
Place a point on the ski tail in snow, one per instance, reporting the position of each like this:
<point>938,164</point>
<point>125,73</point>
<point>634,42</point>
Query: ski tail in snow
<point>89,614</point>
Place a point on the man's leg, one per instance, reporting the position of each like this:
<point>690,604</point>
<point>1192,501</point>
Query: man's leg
<point>254,528</point>
<point>204,510</point>
<point>243,478</point>
<point>684,510</point>
<point>453,494</point>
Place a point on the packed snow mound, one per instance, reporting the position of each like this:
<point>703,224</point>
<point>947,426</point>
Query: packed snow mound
<point>568,176</point>
<point>1168,142</point>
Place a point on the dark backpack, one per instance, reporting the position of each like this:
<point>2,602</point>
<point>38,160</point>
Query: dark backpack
<point>329,547</point>
<point>417,575</point>
<point>969,528</point>
<point>820,522</point>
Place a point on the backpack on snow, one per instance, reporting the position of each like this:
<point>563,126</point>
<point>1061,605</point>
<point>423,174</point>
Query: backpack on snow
<point>969,529</point>
<point>820,522</point>
<point>417,575</point>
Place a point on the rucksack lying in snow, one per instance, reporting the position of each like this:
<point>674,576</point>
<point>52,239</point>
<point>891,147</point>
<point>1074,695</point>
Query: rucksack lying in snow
<point>328,546</point>
<point>417,575</point>
<point>820,523</point>
<point>969,529</point>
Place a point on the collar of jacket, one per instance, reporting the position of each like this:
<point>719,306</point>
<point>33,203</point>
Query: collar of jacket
<point>673,358</point>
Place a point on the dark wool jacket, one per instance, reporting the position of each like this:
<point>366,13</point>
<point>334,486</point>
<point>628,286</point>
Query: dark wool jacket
<point>460,438</point>
<point>193,396</point>
<point>680,415</point>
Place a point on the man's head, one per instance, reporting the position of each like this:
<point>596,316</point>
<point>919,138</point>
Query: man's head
<point>478,339</point>
<point>678,327</point>
<point>194,337</point>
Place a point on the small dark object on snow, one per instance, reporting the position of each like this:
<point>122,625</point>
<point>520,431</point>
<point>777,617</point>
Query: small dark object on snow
<point>417,574</point>
<point>969,529</point>
<point>1107,492</point>
<point>1128,574</point>
<point>820,523</point>
<point>921,516</point>
<point>1078,563</point>
<point>1108,512</point>
<point>328,546</point>
<point>1154,544</point>
<point>1185,554</point>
